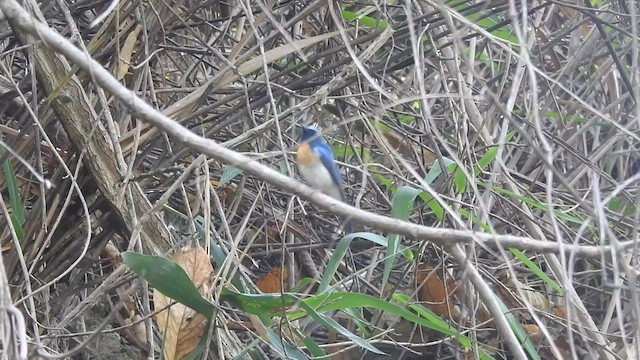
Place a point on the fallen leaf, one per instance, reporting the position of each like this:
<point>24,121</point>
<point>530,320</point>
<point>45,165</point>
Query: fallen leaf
<point>181,326</point>
<point>272,282</point>
<point>435,293</point>
<point>402,145</point>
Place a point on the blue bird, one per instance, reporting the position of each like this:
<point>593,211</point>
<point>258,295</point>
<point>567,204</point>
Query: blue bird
<point>317,166</point>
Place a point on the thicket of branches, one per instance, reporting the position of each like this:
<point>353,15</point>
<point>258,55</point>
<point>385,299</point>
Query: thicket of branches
<point>507,131</point>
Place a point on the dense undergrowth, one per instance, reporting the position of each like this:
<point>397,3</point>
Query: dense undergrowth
<point>508,131</point>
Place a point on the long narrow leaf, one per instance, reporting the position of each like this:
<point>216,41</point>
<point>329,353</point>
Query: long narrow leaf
<point>401,208</point>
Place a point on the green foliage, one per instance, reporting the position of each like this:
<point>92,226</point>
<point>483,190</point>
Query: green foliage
<point>401,208</point>
<point>460,180</point>
<point>363,20</point>
<point>346,300</point>
<point>284,348</point>
<point>228,174</point>
<point>172,281</point>
<point>17,208</point>
<point>518,330</point>
<point>491,24</point>
<point>536,270</point>
<point>342,248</point>
<point>570,216</point>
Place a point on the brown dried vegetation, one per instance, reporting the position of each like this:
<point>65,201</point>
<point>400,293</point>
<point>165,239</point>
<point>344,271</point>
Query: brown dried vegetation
<point>83,179</point>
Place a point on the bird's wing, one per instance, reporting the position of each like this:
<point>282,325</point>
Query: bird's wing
<point>326,156</point>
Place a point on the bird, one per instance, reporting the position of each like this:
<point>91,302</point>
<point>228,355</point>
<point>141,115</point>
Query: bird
<point>317,166</point>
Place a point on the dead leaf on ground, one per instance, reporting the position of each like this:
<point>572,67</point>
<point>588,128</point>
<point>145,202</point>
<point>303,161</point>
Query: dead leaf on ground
<point>181,326</point>
<point>436,294</point>
<point>514,289</point>
<point>402,145</point>
<point>273,281</point>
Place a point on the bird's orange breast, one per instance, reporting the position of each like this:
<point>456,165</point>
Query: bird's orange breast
<point>305,156</point>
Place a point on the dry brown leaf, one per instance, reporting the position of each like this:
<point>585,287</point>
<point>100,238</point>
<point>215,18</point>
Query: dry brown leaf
<point>436,293</point>
<point>538,338</point>
<point>181,326</point>
<point>272,282</point>
<point>560,311</point>
<point>137,328</point>
<point>401,145</point>
<point>124,59</point>
<point>533,331</point>
<point>515,288</point>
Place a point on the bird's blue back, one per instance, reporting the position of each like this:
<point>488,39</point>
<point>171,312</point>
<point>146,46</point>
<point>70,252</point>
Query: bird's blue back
<point>312,141</point>
<point>319,145</point>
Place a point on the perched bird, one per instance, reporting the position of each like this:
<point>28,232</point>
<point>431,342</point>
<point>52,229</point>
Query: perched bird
<point>317,166</point>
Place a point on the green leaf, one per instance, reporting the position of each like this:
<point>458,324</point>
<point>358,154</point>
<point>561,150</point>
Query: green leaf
<point>489,156</point>
<point>331,324</point>
<point>492,25</point>
<point>282,165</point>
<point>284,348</point>
<point>346,151</point>
<point>438,211</point>
<point>265,305</point>
<point>381,126</point>
<point>170,279</point>
<point>436,170</point>
<point>577,119</point>
<point>259,304</point>
<point>229,173</point>
<point>466,215</point>
<point>436,323</point>
<point>459,180</point>
<point>386,182</point>
<point>346,300</point>
<point>517,329</point>
<point>249,350</point>
<point>363,20</point>
<point>401,208</point>
<point>302,284</point>
<point>403,202</point>
<point>334,262</point>
<point>219,256</point>
<point>315,350</point>
<point>17,209</point>
<point>342,248</point>
<point>622,206</point>
<point>535,203</point>
<point>536,270</point>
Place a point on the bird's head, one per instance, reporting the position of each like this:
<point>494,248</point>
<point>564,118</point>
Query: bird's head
<point>309,133</point>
